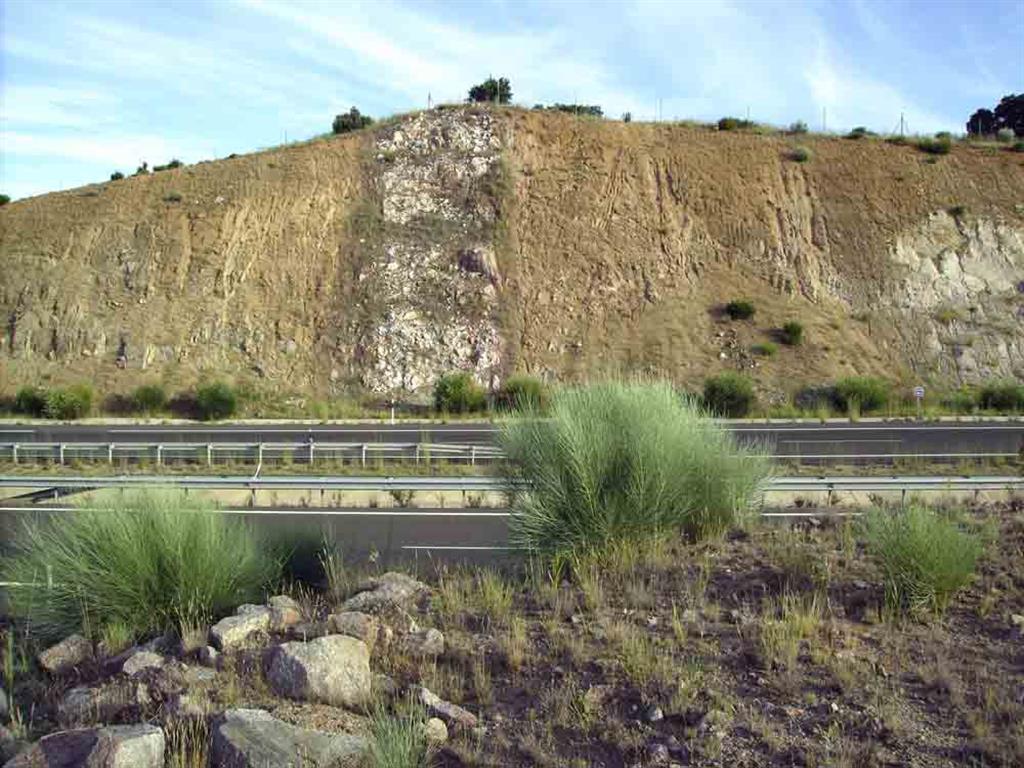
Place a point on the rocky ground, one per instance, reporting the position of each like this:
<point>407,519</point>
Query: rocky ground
<point>768,648</point>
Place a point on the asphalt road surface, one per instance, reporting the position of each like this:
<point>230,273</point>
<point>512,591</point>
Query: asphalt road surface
<point>834,439</point>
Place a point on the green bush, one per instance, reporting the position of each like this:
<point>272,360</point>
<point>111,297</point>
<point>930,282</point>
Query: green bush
<point>1018,146</point>
<point>497,91</point>
<point>116,176</point>
<point>729,394</point>
<point>740,309</point>
<point>30,401</point>
<point>523,393</point>
<point>765,349</point>
<point>175,163</point>
<point>734,124</point>
<point>5,199</point>
<point>798,127</point>
<point>72,402</point>
<point>458,393</point>
<point>800,154</point>
<point>1002,396</point>
<point>150,561</point>
<point>934,146</point>
<point>862,392</point>
<point>860,132</point>
<point>353,120</point>
<point>962,400</point>
<point>216,401</point>
<point>149,398</point>
<point>172,197</point>
<point>617,463</point>
<point>925,557</point>
<point>1005,135</point>
<point>793,333</point>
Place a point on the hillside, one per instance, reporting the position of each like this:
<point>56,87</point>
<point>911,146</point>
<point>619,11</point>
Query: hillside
<point>506,240</point>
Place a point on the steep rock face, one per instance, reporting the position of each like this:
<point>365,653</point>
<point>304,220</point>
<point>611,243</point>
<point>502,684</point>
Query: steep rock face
<point>502,240</point>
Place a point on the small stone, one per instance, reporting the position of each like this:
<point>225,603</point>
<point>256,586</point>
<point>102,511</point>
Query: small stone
<point>65,655</point>
<point>435,731</point>
<point>284,612</point>
<point>361,626</point>
<point>1017,620</point>
<point>142,660</point>
<point>424,644</point>
<point>235,631</point>
<point>652,622</point>
<point>209,656</point>
<point>654,714</point>
<point>452,714</point>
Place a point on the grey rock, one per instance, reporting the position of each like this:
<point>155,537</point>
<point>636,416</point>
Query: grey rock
<point>83,704</point>
<point>386,590</point>
<point>429,642</point>
<point>361,626</point>
<point>142,660</point>
<point>658,753</point>
<point>284,612</point>
<point>69,653</point>
<point>654,714</point>
<point>309,630</point>
<point>452,714</point>
<point>237,631</point>
<point>331,670</point>
<point>115,746</point>
<point>252,738</point>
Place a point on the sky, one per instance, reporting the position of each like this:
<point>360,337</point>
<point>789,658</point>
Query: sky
<point>88,87</point>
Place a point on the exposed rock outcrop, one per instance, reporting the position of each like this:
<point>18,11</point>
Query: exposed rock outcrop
<point>252,738</point>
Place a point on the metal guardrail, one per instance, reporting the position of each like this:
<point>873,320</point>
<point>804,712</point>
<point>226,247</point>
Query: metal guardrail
<point>491,484</point>
<point>355,453</point>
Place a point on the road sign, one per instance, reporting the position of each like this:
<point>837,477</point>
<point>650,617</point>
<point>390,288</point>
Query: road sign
<point>919,393</point>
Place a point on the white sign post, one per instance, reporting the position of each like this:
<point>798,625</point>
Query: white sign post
<point>919,396</point>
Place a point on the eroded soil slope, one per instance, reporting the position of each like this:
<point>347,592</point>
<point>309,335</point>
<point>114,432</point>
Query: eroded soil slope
<point>507,240</point>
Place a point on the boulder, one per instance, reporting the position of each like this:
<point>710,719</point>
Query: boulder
<point>452,714</point>
<point>308,630</point>
<point>140,661</point>
<point>236,631</point>
<point>82,704</point>
<point>69,653</point>
<point>330,670</point>
<point>361,626</point>
<point>115,746</point>
<point>252,738</point>
<point>284,612</point>
<point>209,656</point>
<point>388,589</point>
<point>429,642</point>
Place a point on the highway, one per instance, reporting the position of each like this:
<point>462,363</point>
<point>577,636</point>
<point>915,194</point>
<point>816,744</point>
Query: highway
<point>865,439</point>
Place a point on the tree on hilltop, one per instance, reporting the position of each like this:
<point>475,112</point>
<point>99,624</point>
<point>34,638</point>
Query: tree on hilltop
<point>352,120</point>
<point>1008,115</point>
<point>497,91</point>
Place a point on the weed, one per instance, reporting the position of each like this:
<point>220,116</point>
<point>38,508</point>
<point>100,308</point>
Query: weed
<point>926,557</point>
<point>740,309</point>
<point>785,625</point>
<point>729,394</point>
<point>765,349</point>
<point>514,643</point>
<point>399,740</point>
<point>793,333</point>
<point>800,154</point>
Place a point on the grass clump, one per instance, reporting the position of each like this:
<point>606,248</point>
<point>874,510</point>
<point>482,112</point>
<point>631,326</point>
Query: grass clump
<point>458,393</point>
<point>616,464</point>
<point>935,146</point>
<point>216,401</point>
<point>729,394</point>
<point>137,564</point>
<point>800,154</point>
<point>149,399</point>
<point>740,309</point>
<point>793,333</point>
<point>765,349</point>
<point>523,393</point>
<point>861,394</point>
<point>399,740</point>
<point>734,124</point>
<point>1002,396</point>
<point>925,557</point>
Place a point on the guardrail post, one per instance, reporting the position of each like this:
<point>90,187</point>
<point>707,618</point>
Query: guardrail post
<point>903,498</point>
<point>14,453</point>
<point>472,456</point>
<point>209,455</point>
<point>159,454</point>
<point>417,453</point>
<point>252,496</point>
<point>259,453</point>
<point>60,446</point>
<point>364,454</point>
<point>110,453</point>
<point>312,451</point>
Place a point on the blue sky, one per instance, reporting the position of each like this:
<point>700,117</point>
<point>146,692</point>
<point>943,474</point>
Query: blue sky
<point>91,87</point>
